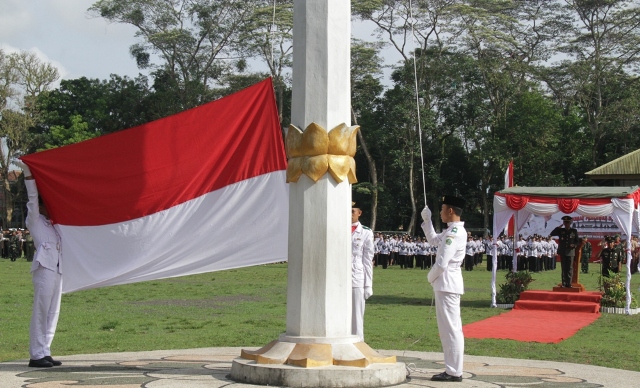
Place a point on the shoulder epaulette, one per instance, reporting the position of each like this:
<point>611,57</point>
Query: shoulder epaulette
<point>366,227</point>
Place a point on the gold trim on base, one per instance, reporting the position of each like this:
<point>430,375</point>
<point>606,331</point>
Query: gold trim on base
<point>359,355</point>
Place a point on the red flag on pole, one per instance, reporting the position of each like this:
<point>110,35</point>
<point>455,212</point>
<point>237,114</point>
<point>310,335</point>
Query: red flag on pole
<point>508,182</point>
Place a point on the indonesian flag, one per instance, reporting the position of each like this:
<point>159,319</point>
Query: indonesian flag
<point>508,176</point>
<point>508,182</point>
<point>200,191</point>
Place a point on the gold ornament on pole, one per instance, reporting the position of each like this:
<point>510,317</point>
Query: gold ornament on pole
<point>315,152</point>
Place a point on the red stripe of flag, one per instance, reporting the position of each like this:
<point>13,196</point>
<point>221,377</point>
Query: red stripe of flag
<point>153,167</point>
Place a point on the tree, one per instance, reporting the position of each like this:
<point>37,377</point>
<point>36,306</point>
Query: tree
<point>509,40</point>
<point>105,106</point>
<point>194,39</point>
<point>411,28</point>
<point>8,80</point>
<point>365,89</point>
<point>268,36</point>
<point>78,131</point>
<point>603,46</point>
<point>24,77</point>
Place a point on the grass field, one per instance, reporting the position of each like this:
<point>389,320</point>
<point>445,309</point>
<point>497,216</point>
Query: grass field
<point>247,307</point>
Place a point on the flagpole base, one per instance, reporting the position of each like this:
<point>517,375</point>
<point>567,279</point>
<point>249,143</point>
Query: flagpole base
<point>312,363</point>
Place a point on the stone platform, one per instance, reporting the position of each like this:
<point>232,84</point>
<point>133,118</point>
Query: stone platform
<point>210,367</point>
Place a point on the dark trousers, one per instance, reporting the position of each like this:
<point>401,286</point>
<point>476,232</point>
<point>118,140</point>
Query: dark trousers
<point>533,264</point>
<point>567,270</point>
<point>384,260</point>
<point>409,261</point>
<point>468,262</point>
<point>422,260</point>
<point>429,261</point>
<point>489,263</point>
<point>402,259</point>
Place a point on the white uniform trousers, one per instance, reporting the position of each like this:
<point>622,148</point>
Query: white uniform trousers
<point>47,291</point>
<point>357,312</point>
<point>450,330</point>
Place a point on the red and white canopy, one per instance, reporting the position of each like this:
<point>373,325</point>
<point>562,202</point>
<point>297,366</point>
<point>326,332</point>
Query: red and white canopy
<point>620,203</point>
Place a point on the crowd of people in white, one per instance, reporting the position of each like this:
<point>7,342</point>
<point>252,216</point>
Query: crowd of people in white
<point>535,253</point>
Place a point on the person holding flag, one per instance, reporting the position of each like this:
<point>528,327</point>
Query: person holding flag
<point>46,273</point>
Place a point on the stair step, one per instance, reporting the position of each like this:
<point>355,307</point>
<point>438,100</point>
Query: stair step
<point>586,307</point>
<point>593,297</point>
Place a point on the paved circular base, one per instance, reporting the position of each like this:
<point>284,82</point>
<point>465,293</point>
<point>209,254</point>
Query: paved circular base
<point>375,375</point>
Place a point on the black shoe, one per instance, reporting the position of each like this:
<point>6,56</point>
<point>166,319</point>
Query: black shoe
<point>51,360</point>
<point>41,363</point>
<point>446,377</point>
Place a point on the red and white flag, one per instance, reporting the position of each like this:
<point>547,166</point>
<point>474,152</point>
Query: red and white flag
<point>200,191</point>
<point>508,182</point>
<point>508,176</point>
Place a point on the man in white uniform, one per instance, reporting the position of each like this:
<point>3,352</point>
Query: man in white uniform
<point>46,277</point>
<point>446,280</point>
<point>361,270</point>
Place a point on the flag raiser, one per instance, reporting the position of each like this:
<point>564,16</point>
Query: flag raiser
<point>199,191</point>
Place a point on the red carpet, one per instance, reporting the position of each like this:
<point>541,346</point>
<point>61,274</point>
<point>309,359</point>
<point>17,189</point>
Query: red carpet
<point>540,316</point>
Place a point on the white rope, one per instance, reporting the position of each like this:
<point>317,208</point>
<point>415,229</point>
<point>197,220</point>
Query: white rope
<point>415,78</point>
<point>411,368</point>
<point>273,28</point>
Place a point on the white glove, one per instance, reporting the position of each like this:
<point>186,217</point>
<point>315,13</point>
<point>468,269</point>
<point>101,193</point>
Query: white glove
<point>23,167</point>
<point>368,291</point>
<point>426,214</point>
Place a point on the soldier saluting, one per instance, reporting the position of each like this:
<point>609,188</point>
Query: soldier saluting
<point>567,242</point>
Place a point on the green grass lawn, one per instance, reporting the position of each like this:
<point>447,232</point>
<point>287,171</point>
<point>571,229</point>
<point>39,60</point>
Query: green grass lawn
<point>247,307</point>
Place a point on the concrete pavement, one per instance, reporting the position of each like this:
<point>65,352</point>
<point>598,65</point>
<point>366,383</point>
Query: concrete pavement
<point>209,367</point>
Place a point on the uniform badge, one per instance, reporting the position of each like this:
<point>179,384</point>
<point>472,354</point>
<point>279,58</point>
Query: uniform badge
<point>455,229</point>
<point>448,241</point>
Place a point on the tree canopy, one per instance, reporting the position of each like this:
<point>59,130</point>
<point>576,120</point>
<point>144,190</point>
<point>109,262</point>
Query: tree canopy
<point>551,84</point>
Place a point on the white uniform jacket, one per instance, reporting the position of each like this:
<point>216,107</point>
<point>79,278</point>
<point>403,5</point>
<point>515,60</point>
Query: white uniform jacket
<point>445,275</point>
<point>362,253</point>
<point>45,238</point>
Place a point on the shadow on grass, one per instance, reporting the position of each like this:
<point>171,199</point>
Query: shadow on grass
<point>398,300</point>
<point>412,301</point>
<point>485,303</point>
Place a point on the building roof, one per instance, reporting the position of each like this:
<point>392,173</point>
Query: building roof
<point>571,192</point>
<point>628,164</point>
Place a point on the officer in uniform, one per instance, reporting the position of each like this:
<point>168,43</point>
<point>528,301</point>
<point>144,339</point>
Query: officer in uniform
<point>586,255</point>
<point>606,255</point>
<point>446,279</point>
<point>46,277</point>
<point>15,246</point>
<point>567,242</point>
<point>469,252</point>
<point>30,248</point>
<point>361,270</point>
<point>620,256</point>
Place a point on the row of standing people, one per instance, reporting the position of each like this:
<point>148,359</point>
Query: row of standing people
<point>534,253</point>
<point>17,243</point>
<point>404,251</point>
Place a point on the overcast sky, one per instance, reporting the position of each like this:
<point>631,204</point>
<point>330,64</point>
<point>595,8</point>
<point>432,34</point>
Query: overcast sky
<point>62,32</point>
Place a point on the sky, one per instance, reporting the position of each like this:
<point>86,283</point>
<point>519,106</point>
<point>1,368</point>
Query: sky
<point>63,33</point>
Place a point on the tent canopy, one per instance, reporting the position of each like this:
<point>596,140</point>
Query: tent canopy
<point>620,203</point>
<point>572,192</point>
